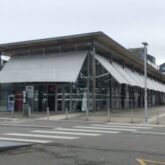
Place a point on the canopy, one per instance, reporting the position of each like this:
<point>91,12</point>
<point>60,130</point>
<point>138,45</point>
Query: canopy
<point>124,75</point>
<point>61,67</point>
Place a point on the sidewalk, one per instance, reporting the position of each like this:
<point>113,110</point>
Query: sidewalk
<point>119,116</point>
<point>7,145</point>
<point>18,118</point>
<point>127,116</point>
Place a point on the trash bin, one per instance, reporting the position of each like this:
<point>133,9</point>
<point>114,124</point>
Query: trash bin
<point>26,109</point>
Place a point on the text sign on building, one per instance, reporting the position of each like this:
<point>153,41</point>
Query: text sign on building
<point>30,91</point>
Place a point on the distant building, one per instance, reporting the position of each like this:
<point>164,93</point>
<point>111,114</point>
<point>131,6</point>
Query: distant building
<point>162,68</point>
<point>140,53</point>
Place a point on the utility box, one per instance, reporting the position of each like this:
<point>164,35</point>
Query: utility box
<point>11,103</point>
<point>26,107</point>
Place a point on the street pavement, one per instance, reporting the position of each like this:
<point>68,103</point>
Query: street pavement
<point>77,141</point>
<point>67,142</point>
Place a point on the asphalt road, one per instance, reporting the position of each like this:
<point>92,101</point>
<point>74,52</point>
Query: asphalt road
<point>83,143</point>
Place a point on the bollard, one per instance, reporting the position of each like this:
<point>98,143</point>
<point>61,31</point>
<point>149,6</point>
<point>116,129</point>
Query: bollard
<point>66,113</point>
<point>47,110</point>
<point>109,115</point>
<point>12,111</point>
<point>158,117</point>
<point>108,108</point>
<point>132,116</point>
<point>29,113</point>
<point>87,114</point>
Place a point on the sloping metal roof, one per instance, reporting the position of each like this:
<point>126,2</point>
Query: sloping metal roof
<point>112,70</point>
<point>95,38</point>
<point>127,76</point>
<point>62,67</point>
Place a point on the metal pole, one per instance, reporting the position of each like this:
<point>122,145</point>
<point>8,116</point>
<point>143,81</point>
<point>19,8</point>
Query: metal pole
<point>70,105</point>
<point>145,82</point>
<point>158,116</point>
<point>132,105</point>
<point>108,106</point>
<point>132,112</point>
<point>94,79</point>
<point>88,84</point>
<point>12,111</point>
<point>66,113</point>
<point>47,110</point>
<point>29,112</point>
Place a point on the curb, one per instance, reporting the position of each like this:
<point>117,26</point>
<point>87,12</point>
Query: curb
<point>6,148</point>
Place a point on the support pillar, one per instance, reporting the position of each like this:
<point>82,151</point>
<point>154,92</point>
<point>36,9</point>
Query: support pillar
<point>70,104</point>
<point>88,86</point>
<point>110,92</point>
<point>93,79</point>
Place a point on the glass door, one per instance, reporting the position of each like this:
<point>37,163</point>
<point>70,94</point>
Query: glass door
<point>51,97</point>
<point>60,98</point>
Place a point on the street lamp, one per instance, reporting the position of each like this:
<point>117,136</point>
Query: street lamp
<point>145,44</point>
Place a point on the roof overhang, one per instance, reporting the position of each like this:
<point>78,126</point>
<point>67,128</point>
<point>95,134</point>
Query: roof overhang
<point>97,39</point>
<point>60,67</point>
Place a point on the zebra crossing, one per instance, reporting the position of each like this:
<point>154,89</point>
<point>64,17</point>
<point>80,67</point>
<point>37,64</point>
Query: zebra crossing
<point>71,133</point>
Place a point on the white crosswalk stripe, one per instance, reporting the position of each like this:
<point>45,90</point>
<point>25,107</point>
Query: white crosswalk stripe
<point>131,124</point>
<point>74,132</point>
<point>86,130</point>
<point>105,128</point>
<point>150,133</point>
<point>24,140</point>
<point>120,126</point>
<point>41,136</point>
<point>66,133</point>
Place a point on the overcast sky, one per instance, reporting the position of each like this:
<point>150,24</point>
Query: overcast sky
<point>129,22</point>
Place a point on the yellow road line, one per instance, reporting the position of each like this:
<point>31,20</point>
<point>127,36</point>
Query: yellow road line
<point>144,161</point>
<point>141,162</point>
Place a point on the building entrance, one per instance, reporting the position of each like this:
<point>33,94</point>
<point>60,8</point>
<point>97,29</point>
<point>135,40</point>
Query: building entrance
<point>60,98</point>
<point>54,96</point>
<point>63,97</point>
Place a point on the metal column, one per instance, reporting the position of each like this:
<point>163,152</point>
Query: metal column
<point>88,86</point>
<point>70,105</point>
<point>93,79</point>
<point>145,82</point>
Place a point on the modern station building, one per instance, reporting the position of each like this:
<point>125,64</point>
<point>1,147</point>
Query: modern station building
<point>79,72</point>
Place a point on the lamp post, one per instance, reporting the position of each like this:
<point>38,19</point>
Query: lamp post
<point>145,82</point>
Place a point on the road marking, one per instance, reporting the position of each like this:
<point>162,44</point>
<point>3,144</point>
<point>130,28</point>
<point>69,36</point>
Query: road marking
<point>150,133</point>
<point>117,126</point>
<point>24,140</point>
<point>140,124</point>
<point>116,129</point>
<point>141,161</point>
<point>67,133</point>
<point>84,130</point>
<point>145,162</point>
<point>42,136</point>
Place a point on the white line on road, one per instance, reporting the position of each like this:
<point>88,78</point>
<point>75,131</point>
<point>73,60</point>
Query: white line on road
<point>140,124</point>
<point>115,129</point>
<point>66,133</point>
<point>117,126</point>
<point>150,133</point>
<point>42,136</point>
<point>24,140</point>
<point>85,130</point>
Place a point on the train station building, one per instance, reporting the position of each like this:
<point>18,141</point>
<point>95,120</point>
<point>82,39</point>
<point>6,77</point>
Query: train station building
<point>79,72</point>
